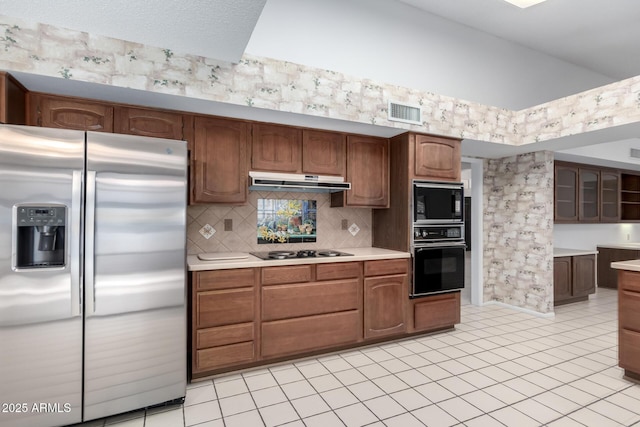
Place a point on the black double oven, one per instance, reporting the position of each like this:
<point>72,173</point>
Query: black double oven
<point>438,245</point>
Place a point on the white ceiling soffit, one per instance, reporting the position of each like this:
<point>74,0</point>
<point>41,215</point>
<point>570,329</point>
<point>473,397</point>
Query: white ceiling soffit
<point>218,29</point>
<point>599,35</point>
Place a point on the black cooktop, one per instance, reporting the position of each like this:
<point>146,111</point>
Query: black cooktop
<point>306,253</point>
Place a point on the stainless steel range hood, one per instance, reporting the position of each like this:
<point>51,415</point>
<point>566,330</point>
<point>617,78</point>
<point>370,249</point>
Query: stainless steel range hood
<point>269,181</point>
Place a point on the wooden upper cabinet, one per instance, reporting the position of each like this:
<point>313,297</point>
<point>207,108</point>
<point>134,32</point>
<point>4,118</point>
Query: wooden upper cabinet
<point>609,196</point>
<point>368,173</point>
<point>436,158</point>
<point>588,195</point>
<point>146,122</point>
<point>566,193</point>
<point>323,153</point>
<point>220,161</point>
<point>12,100</point>
<point>276,148</point>
<point>71,113</point>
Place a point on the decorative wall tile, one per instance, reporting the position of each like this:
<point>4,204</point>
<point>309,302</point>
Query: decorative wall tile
<point>243,237</point>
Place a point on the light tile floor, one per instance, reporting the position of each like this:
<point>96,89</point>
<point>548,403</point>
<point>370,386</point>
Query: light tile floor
<point>499,367</point>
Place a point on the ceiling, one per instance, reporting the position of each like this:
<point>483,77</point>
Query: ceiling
<point>217,29</point>
<point>599,35</point>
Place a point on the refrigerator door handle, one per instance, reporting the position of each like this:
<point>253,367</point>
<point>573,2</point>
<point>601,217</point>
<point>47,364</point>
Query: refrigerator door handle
<point>90,215</point>
<point>74,253</point>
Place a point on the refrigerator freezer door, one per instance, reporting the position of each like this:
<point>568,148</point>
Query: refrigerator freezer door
<point>40,321</point>
<point>135,317</point>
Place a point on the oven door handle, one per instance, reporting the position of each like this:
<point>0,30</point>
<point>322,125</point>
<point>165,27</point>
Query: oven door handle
<point>441,245</point>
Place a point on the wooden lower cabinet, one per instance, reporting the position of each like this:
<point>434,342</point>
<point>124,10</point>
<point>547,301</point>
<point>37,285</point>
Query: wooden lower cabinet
<point>574,278</point>
<point>607,276</point>
<point>629,323</point>
<point>223,328</point>
<point>309,333</point>
<point>435,312</point>
<point>246,317</point>
<point>385,300</point>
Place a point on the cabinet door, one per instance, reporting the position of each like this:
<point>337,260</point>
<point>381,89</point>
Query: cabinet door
<point>323,153</point>
<point>436,158</point>
<point>588,195</point>
<point>609,196</point>
<point>566,193</point>
<point>584,272</point>
<point>607,276</point>
<point>69,113</point>
<point>276,148</point>
<point>385,300</point>
<point>140,121</point>
<point>220,161</point>
<point>12,100</point>
<point>562,278</point>
<point>368,172</point>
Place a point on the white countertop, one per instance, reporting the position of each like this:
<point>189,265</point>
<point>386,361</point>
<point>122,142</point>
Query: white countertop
<point>632,265</point>
<point>634,246</point>
<point>359,254</point>
<point>558,252</point>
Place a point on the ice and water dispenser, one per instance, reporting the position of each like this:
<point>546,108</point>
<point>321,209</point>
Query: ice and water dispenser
<point>40,236</point>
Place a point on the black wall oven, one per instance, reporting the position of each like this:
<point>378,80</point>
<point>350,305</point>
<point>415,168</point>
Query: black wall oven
<point>437,202</point>
<point>438,259</point>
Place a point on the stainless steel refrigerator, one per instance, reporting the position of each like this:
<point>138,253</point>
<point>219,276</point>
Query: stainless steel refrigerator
<point>92,274</point>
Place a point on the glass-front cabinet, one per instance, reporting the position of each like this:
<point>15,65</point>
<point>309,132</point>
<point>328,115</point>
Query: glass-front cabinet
<point>566,193</point>
<point>587,193</point>
<point>609,196</point>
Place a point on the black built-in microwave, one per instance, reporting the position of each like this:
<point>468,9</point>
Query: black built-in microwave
<point>438,202</point>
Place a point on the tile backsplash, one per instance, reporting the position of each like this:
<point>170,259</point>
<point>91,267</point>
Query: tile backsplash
<point>242,236</point>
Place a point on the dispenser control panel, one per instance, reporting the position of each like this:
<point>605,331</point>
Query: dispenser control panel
<point>41,215</point>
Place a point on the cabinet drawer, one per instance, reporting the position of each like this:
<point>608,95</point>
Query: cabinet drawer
<point>306,299</point>
<point>226,355</point>
<point>338,270</point>
<point>385,267</point>
<point>226,307</point>
<point>629,280</point>
<point>629,351</point>
<point>436,312</point>
<point>629,310</point>
<point>288,274</point>
<point>224,335</point>
<point>224,279</point>
<point>289,336</point>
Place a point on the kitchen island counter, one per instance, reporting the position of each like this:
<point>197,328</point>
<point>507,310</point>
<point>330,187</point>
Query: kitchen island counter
<point>358,254</point>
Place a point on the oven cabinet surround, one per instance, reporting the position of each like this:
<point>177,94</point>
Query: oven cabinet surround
<point>629,317</point>
<point>251,312</point>
<point>608,253</point>
<point>574,275</point>
<point>412,156</point>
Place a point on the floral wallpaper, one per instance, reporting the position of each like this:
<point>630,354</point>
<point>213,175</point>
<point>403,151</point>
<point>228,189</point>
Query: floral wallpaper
<point>518,231</point>
<point>283,86</point>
